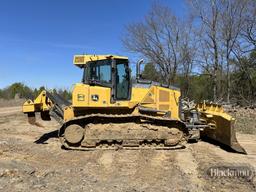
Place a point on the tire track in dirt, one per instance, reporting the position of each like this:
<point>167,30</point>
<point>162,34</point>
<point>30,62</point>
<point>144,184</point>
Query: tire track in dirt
<point>9,110</point>
<point>189,166</point>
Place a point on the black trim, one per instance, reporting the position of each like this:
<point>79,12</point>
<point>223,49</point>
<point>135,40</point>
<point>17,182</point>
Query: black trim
<point>113,80</point>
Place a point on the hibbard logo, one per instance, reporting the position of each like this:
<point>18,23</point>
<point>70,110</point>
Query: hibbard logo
<point>241,172</point>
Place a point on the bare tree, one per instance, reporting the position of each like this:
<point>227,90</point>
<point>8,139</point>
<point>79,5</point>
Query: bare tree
<point>188,52</point>
<point>158,38</point>
<point>209,14</point>
<point>232,14</point>
<point>244,53</point>
<point>249,27</point>
<point>218,35</point>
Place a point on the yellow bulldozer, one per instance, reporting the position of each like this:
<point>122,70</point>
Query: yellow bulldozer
<point>108,111</point>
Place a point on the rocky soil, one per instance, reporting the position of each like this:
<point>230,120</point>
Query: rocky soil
<point>31,159</point>
<point>246,119</point>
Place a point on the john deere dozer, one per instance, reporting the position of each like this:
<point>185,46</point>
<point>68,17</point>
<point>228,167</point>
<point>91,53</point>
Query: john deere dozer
<point>109,112</point>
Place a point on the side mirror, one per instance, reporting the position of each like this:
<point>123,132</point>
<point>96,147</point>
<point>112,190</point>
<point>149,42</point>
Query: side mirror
<point>138,75</point>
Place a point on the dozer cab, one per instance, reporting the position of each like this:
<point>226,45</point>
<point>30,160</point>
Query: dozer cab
<point>108,111</point>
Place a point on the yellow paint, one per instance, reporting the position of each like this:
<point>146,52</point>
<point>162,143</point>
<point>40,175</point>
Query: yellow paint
<point>41,103</point>
<point>81,60</point>
<point>156,100</point>
<point>68,113</point>
<point>85,96</point>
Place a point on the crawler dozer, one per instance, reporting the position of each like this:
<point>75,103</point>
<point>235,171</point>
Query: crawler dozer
<point>109,111</point>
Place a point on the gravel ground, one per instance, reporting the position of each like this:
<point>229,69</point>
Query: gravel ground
<point>31,159</point>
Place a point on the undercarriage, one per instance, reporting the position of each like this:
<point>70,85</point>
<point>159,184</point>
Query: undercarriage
<point>98,131</point>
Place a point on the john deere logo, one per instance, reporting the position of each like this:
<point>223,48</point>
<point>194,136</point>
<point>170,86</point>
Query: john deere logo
<point>95,97</point>
<point>80,97</point>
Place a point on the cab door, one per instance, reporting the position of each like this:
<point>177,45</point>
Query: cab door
<point>122,81</point>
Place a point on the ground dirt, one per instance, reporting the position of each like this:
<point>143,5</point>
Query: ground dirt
<point>11,102</point>
<point>31,159</point>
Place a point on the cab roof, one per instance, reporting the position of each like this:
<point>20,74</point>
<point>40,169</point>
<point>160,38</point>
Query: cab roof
<point>82,60</point>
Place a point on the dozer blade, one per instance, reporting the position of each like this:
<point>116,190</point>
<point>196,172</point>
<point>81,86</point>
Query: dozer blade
<point>221,127</point>
<point>224,133</point>
<point>234,143</point>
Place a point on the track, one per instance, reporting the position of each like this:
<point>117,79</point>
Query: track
<point>123,131</point>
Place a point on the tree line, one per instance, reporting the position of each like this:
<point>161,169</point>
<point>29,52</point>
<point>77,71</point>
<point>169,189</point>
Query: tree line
<point>209,52</point>
<point>19,90</point>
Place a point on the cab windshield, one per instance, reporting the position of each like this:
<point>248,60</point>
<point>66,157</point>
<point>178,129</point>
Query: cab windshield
<point>101,72</point>
<point>98,72</point>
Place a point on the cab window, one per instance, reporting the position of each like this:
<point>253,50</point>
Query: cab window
<point>122,81</point>
<point>101,72</point>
